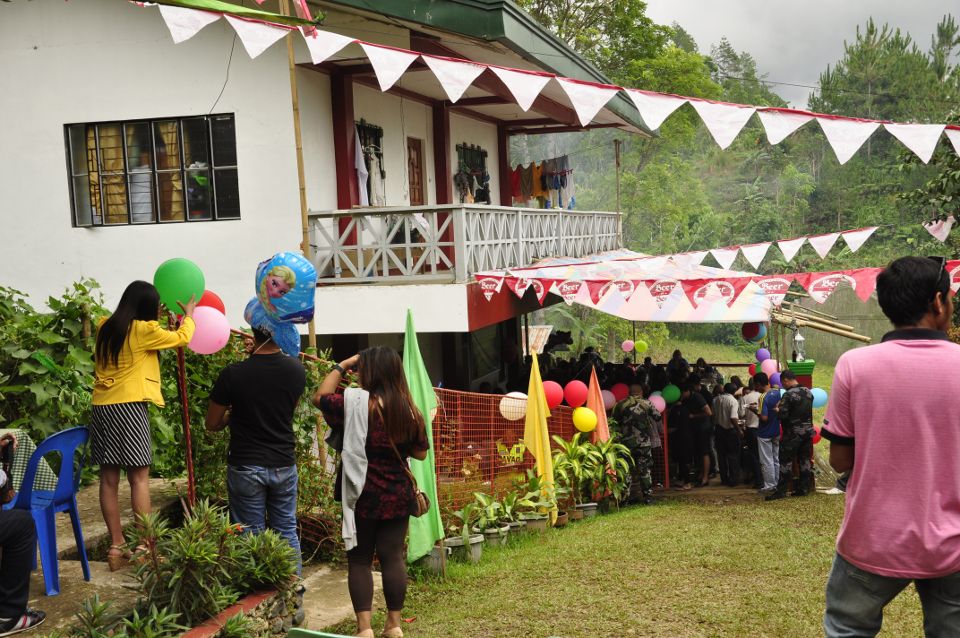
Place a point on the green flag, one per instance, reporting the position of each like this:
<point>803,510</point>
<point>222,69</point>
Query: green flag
<point>428,529</point>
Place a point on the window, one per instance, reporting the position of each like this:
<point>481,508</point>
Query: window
<point>150,171</point>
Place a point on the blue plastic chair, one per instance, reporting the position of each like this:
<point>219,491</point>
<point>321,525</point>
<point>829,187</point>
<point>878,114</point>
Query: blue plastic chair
<point>44,504</point>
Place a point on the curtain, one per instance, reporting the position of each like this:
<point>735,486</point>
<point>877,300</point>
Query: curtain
<point>167,140</point>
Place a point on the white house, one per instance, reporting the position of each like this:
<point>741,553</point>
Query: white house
<point>123,149</point>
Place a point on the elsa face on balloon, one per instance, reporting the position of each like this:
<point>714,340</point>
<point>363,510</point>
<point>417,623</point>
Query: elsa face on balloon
<point>285,286</point>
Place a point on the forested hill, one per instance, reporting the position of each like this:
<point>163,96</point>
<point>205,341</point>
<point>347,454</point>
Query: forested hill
<point>679,191</point>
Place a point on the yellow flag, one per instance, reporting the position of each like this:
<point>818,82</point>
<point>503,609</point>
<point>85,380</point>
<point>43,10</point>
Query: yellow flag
<point>535,433</point>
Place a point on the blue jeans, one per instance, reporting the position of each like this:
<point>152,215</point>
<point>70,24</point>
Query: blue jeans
<point>262,497</point>
<point>856,598</point>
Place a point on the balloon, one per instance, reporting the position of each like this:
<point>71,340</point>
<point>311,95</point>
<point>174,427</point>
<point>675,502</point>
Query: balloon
<point>769,366</point>
<point>608,399</point>
<point>584,419</point>
<point>775,379</point>
<point>620,390</point>
<point>513,406</point>
<point>640,346</point>
<point>575,393</point>
<point>752,369</point>
<point>212,333</point>
<point>763,354</point>
<point>671,394</point>
<point>627,345</point>
<point>286,285</point>
<point>658,403</point>
<point>819,397</point>
<point>750,331</point>
<point>554,393</point>
<point>178,279</point>
<point>816,434</point>
<point>212,300</point>
<point>656,394</point>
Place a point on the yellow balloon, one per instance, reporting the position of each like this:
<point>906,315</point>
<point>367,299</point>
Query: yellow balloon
<point>585,419</point>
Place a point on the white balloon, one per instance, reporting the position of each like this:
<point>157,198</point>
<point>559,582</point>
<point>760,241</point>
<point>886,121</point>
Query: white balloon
<point>513,406</point>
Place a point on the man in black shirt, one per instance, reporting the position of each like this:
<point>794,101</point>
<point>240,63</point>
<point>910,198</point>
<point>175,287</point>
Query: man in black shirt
<point>701,426</point>
<point>257,398</point>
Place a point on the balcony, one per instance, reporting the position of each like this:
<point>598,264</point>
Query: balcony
<point>449,243</point>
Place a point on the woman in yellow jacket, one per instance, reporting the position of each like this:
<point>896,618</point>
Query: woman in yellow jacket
<point>127,377</point>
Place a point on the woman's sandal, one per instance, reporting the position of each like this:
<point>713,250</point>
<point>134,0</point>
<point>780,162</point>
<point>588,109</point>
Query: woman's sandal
<point>395,632</point>
<point>117,558</point>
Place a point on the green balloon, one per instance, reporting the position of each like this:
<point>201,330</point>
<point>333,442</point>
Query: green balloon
<point>671,394</point>
<point>178,279</point>
<point>640,346</point>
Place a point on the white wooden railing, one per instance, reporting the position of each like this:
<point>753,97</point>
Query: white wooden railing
<point>449,243</point>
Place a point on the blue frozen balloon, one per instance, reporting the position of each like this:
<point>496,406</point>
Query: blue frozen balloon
<point>819,397</point>
<point>285,335</point>
<point>286,286</point>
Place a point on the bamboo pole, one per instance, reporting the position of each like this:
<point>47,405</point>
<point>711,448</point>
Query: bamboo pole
<point>828,322</point>
<point>804,323</point>
<point>301,173</point>
<point>810,310</point>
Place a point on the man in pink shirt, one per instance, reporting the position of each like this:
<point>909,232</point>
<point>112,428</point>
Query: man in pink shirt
<point>888,424</point>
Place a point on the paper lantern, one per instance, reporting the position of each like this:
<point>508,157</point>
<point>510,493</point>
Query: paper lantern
<point>752,369</point>
<point>769,366</point>
<point>640,346</point>
<point>212,332</point>
<point>763,354</point>
<point>819,397</point>
<point>775,379</point>
<point>177,280</point>
<point>620,391</point>
<point>658,403</point>
<point>513,406</point>
<point>627,345</point>
<point>671,394</point>
<point>554,393</point>
<point>212,300</point>
<point>608,399</point>
<point>575,393</point>
<point>816,434</point>
<point>585,419</point>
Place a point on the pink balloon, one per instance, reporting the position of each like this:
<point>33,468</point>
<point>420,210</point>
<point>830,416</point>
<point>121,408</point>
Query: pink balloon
<point>769,366</point>
<point>553,392</point>
<point>213,330</point>
<point>575,393</point>
<point>658,403</point>
<point>608,399</point>
<point>620,390</point>
<point>627,345</point>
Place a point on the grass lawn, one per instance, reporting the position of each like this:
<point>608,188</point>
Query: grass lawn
<point>714,566</point>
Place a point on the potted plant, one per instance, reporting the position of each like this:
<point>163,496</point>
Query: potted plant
<point>510,514</point>
<point>465,546</point>
<point>489,519</point>
<point>537,503</point>
<point>573,465</point>
<point>610,473</point>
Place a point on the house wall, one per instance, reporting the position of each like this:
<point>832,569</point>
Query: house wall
<point>467,130</point>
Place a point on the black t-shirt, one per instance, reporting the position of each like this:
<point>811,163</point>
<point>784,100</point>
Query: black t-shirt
<point>694,404</point>
<point>262,392</point>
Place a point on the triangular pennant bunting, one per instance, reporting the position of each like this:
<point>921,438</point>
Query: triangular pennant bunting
<point>661,289</point>
<point>655,107</point>
<point>713,290</point>
<point>775,287</point>
<point>922,139</point>
<point>724,121</point>
<point>822,285</point>
<point>587,98</point>
<point>569,290</point>
<point>525,87</point>
<point>540,289</point>
<point>455,77</point>
<point>323,44</point>
<point>256,36</point>
<point>866,279</point>
<point>490,286</point>
<point>823,243</point>
<point>518,285</point>
<point>856,238</point>
<point>790,247</point>
<point>388,63</point>
<point>940,228</point>
<point>954,136</point>
<point>754,253</point>
<point>846,136</point>
<point>725,256</point>
<point>780,124</point>
<point>185,23</point>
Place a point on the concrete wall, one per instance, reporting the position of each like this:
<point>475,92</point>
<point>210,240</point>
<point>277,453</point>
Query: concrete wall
<point>466,130</point>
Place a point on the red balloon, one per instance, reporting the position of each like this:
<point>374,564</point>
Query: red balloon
<point>752,369</point>
<point>750,331</point>
<point>575,393</point>
<point>620,391</point>
<point>554,393</point>
<point>816,434</point>
<point>213,300</point>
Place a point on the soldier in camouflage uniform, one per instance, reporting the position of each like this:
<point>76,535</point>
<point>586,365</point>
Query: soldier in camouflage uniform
<point>637,424</point>
<point>796,419</point>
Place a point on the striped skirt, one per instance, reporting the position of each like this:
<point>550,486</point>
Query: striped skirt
<point>120,435</point>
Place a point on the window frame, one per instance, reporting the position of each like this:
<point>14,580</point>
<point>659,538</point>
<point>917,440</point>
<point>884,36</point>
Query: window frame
<point>182,170</point>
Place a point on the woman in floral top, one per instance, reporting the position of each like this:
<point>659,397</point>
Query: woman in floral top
<point>388,497</point>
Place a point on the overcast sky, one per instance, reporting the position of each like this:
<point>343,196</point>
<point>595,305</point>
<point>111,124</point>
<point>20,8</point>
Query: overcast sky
<point>794,41</point>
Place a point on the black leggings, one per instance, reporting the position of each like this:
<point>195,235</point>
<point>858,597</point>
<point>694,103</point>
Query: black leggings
<point>18,542</point>
<point>386,538</point>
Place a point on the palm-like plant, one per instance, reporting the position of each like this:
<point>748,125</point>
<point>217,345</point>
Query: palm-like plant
<point>490,511</point>
<point>571,464</point>
<point>609,464</point>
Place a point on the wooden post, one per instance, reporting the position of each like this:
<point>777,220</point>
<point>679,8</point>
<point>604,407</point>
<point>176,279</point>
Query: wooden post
<point>301,175</point>
<point>616,153</point>
<point>185,418</point>
<point>503,160</point>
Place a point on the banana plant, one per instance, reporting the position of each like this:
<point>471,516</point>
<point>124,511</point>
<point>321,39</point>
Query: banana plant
<point>490,511</point>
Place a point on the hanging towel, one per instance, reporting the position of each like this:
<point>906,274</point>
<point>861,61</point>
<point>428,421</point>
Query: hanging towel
<point>538,185</point>
<point>361,166</point>
<point>378,193</point>
<point>526,182</point>
<point>353,459</point>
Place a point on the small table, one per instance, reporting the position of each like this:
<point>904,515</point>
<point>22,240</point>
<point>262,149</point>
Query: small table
<point>45,479</point>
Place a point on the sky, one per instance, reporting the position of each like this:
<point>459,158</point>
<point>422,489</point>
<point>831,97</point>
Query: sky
<point>794,41</point>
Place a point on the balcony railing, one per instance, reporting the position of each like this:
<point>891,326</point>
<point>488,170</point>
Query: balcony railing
<point>449,243</point>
